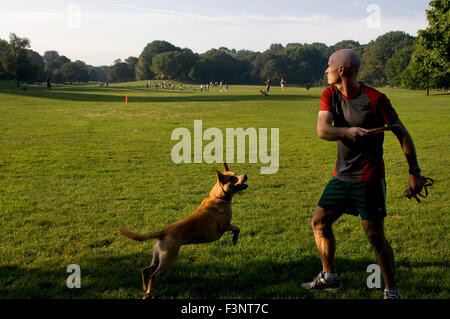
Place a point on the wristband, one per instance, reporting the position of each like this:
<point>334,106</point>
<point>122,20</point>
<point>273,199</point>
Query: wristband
<point>415,171</point>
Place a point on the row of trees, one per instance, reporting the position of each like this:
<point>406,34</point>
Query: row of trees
<point>20,63</point>
<point>395,58</point>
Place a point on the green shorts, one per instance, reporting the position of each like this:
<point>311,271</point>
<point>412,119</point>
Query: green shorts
<point>367,199</point>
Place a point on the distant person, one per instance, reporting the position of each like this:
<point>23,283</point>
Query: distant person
<point>267,85</point>
<point>307,86</point>
<point>282,84</point>
<point>107,83</point>
<point>49,85</point>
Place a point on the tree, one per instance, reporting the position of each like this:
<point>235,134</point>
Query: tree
<point>348,44</point>
<point>416,76</point>
<point>216,65</point>
<point>432,56</point>
<point>82,71</point>
<point>173,65</point>
<point>54,61</point>
<point>345,44</point>
<point>50,56</point>
<point>4,46</point>
<point>72,72</point>
<point>143,67</point>
<point>67,72</point>
<point>378,52</point>
<point>37,67</point>
<point>132,60</point>
<point>121,72</point>
<point>99,73</point>
<point>15,60</point>
<point>396,65</point>
<point>276,47</point>
<point>309,62</point>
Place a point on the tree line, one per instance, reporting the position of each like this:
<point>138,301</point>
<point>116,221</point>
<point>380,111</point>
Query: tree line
<point>394,58</point>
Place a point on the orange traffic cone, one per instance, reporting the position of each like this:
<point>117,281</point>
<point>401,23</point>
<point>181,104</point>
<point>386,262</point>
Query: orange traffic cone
<point>126,99</point>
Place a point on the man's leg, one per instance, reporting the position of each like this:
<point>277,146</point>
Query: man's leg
<point>383,252</point>
<point>327,279</point>
<point>323,234</point>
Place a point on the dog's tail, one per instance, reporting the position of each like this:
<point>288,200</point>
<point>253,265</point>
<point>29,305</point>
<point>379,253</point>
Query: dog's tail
<point>141,237</point>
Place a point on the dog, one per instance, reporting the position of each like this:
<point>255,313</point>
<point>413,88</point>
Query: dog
<point>263,92</point>
<point>206,224</point>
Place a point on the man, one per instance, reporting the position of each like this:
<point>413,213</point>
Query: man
<point>267,85</point>
<point>357,185</point>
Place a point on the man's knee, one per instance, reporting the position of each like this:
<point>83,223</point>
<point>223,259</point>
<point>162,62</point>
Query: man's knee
<point>322,219</point>
<point>377,239</point>
<point>375,233</point>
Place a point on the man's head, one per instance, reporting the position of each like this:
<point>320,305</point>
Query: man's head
<point>342,63</point>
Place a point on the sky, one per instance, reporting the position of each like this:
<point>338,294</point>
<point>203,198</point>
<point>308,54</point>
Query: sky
<point>99,32</point>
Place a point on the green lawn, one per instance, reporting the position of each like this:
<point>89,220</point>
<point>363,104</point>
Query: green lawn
<point>78,162</point>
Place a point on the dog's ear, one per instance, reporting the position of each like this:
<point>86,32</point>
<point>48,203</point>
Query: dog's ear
<point>219,177</point>
<point>225,167</point>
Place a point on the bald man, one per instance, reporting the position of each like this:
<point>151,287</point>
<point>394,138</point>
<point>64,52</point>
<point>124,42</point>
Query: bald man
<point>348,109</point>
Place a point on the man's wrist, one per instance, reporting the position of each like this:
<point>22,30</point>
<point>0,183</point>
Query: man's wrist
<point>415,171</point>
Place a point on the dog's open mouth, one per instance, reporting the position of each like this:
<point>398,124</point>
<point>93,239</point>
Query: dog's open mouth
<point>241,186</point>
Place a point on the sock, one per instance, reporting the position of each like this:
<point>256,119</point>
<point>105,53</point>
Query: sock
<point>393,292</point>
<point>330,276</point>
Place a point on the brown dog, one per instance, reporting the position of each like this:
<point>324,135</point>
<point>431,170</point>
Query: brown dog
<point>208,223</point>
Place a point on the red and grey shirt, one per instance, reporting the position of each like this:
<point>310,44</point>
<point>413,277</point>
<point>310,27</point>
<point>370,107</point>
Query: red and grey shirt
<point>361,160</point>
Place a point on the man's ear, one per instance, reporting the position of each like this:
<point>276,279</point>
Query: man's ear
<point>219,177</point>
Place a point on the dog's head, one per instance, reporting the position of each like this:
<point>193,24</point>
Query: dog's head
<point>230,183</point>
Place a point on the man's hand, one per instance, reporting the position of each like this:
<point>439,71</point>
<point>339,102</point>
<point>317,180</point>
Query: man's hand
<point>327,131</point>
<point>415,185</point>
<point>352,133</point>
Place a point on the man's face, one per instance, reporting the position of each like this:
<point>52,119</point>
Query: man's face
<point>332,72</point>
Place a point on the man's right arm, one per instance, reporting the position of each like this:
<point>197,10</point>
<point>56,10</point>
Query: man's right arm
<point>326,131</point>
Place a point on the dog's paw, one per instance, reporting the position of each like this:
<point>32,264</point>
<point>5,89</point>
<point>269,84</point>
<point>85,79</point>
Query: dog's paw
<point>146,296</point>
<point>235,238</point>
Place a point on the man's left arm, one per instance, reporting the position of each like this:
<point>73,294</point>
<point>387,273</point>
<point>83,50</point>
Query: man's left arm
<point>415,180</point>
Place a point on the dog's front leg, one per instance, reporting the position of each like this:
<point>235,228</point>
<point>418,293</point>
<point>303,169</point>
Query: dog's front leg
<point>235,232</point>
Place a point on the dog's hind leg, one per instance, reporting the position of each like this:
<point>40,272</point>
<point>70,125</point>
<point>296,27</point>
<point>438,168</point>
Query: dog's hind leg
<point>146,272</point>
<point>168,252</point>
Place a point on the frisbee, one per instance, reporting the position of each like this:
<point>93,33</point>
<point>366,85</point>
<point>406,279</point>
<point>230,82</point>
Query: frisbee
<point>382,129</point>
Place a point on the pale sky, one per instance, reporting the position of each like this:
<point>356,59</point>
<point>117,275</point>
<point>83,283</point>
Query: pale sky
<point>98,32</point>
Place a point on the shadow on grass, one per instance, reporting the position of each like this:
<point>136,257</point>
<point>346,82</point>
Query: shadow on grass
<point>118,95</point>
<point>119,277</point>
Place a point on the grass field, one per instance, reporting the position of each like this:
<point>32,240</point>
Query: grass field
<point>78,162</point>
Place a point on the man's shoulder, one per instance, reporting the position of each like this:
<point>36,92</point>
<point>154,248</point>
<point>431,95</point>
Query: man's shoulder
<point>327,98</point>
<point>329,90</point>
<point>370,91</point>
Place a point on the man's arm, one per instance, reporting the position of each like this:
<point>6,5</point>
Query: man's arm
<point>415,180</point>
<point>326,131</point>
